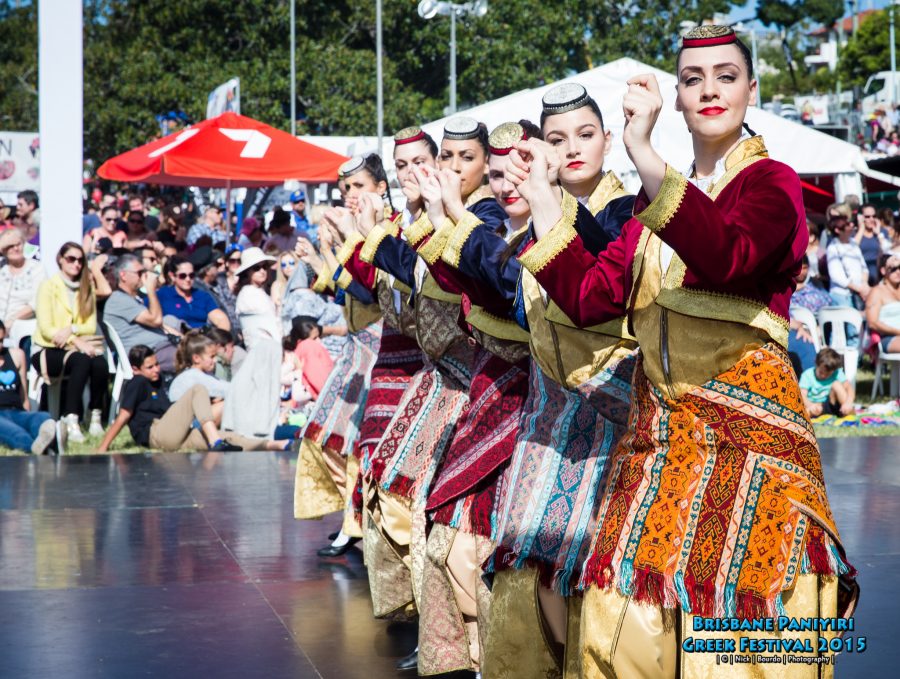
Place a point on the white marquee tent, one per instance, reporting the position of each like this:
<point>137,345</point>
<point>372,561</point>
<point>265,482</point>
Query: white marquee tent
<point>810,152</point>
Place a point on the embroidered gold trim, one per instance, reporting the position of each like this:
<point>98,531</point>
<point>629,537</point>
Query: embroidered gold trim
<point>346,252</point>
<point>432,250</point>
<point>344,279</point>
<point>373,240</point>
<point>661,210</point>
<point>392,222</point>
<point>754,146</point>
<point>478,194</point>
<point>609,188</point>
<point>724,307</point>
<point>563,232</point>
<point>431,289</point>
<point>419,229</point>
<point>495,326</point>
<point>464,228</point>
<point>731,173</point>
<point>323,281</point>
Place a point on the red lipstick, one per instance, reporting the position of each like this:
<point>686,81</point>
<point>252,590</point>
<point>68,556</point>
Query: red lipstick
<point>509,200</point>
<point>712,111</point>
<point>575,164</point>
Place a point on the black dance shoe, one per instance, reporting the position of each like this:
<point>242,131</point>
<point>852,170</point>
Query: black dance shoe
<point>331,550</point>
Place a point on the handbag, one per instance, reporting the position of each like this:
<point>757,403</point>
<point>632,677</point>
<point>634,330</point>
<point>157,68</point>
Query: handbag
<point>98,342</point>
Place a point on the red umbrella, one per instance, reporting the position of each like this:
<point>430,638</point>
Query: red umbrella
<point>226,151</point>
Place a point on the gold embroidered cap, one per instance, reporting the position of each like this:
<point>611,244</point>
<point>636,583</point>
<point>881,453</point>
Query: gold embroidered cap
<point>709,36</point>
<point>504,137</point>
<point>408,135</point>
<point>352,166</point>
<point>564,98</point>
<point>461,128</point>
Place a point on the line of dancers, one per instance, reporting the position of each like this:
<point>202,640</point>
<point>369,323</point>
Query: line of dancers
<point>565,423</point>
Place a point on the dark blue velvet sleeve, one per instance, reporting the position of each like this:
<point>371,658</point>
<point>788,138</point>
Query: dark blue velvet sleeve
<point>356,289</point>
<point>397,257</point>
<point>490,212</point>
<point>481,258</point>
<point>598,231</point>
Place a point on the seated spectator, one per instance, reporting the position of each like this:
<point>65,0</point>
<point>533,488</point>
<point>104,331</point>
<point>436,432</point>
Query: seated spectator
<point>195,363</point>
<point>19,281</point>
<point>871,240</point>
<point>825,389</point>
<point>28,216</point>
<point>133,322</point>
<point>883,307</point>
<point>255,308</point>
<point>171,225</point>
<point>282,236</point>
<point>136,207</point>
<point>847,269</point>
<point>801,349</point>
<point>210,226</point>
<point>212,277</point>
<point>287,264</point>
<point>812,251</point>
<point>300,300</point>
<point>229,356</point>
<point>67,337</point>
<point>314,359</point>
<point>155,422</point>
<point>109,217</point>
<point>138,235</point>
<point>194,307</point>
<point>251,233</point>
<point>21,429</point>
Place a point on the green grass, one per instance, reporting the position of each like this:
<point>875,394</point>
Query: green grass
<point>123,443</point>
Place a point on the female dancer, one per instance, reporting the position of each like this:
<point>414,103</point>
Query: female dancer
<point>326,466</point>
<point>715,503</point>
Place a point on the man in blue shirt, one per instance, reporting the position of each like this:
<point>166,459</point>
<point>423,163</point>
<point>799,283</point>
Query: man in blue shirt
<point>181,299</point>
<point>299,221</point>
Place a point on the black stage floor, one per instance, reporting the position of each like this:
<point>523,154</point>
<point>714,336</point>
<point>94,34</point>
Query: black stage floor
<point>193,566</point>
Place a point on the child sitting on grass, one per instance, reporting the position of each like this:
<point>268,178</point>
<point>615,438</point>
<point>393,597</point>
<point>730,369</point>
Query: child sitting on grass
<point>825,389</point>
<point>155,422</point>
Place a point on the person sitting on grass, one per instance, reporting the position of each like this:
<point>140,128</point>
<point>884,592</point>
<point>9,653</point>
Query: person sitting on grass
<point>825,389</point>
<point>20,428</point>
<point>155,422</point>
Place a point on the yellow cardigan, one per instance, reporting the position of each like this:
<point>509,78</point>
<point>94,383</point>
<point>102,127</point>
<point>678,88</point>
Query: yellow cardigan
<point>53,312</point>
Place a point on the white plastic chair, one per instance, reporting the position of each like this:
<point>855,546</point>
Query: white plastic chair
<point>838,318</point>
<point>893,361</point>
<point>21,329</point>
<point>808,318</point>
<point>123,371</point>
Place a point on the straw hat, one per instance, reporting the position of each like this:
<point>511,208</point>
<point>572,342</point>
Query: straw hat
<point>251,257</point>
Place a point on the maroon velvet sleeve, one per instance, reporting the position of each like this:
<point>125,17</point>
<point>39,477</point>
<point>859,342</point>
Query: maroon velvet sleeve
<point>362,272</point>
<point>756,226</point>
<point>589,289</point>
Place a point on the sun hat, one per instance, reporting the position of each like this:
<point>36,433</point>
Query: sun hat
<point>251,257</point>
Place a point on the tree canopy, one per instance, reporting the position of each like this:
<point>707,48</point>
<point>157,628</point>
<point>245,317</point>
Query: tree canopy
<point>147,57</point>
<point>868,51</point>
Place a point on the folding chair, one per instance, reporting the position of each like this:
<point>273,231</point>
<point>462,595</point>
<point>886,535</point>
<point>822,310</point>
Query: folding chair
<point>838,318</point>
<point>123,371</point>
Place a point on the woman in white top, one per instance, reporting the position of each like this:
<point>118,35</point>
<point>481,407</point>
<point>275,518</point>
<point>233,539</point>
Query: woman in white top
<point>847,267</point>
<point>255,307</point>
<point>20,278</point>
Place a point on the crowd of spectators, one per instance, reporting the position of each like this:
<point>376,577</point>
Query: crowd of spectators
<point>853,262</point>
<point>195,312</point>
<point>190,310</point>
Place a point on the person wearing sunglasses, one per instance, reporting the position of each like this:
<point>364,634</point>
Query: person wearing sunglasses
<point>69,342</point>
<point>109,221</point>
<point>287,264</point>
<point>847,268</point>
<point>20,277</point>
<point>180,298</point>
<point>883,306</point>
